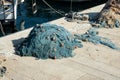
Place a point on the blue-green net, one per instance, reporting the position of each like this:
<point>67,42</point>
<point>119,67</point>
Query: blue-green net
<point>49,41</point>
<point>92,36</point>
<point>52,41</point>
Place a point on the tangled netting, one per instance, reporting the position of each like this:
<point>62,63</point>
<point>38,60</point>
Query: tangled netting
<point>49,41</point>
<point>104,24</point>
<point>52,41</point>
<point>109,17</point>
<point>92,36</point>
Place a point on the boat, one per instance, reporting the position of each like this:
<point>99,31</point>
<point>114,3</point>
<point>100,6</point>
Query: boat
<point>8,16</point>
<point>8,10</point>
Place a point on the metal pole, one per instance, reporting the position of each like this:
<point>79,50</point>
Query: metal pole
<point>15,3</point>
<point>3,10</point>
<point>2,30</point>
<point>13,12</point>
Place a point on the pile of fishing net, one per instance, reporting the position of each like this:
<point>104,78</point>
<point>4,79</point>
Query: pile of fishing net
<point>52,41</point>
<point>92,36</point>
<point>49,41</point>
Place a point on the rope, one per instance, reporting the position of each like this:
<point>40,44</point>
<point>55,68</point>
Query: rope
<point>53,8</point>
<point>34,10</point>
<point>1,27</point>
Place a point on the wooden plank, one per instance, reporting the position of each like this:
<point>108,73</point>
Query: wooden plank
<point>8,42</point>
<point>31,69</point>
<point>101,53</point>
<point>90,70</point>
<point>89,77</point>
<point>98,65</point>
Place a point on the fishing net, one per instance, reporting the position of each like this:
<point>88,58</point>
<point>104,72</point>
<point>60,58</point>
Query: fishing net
<point>109,17</point>
<point>49,41</point>
<point>92,36</point>
<point>52,41</point>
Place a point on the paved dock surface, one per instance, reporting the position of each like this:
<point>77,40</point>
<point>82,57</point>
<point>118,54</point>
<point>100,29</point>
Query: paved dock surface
<point>92,62</point>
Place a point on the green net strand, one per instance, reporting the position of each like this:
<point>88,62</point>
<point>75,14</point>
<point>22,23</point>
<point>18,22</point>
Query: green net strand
<point>49,41</point>
<point>92,36</point>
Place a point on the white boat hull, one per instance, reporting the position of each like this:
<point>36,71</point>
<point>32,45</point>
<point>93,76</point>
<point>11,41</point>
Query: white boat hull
<point>10,13</point>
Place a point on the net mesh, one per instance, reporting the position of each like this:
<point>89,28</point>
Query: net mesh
<point>52,41</point>
<point>92,36</point>
<point>49,41</point>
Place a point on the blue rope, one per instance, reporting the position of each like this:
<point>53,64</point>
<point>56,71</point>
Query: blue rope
<point>92,36</point>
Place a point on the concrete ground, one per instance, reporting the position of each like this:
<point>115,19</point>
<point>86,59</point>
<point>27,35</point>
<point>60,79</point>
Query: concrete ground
<point>92,62</point>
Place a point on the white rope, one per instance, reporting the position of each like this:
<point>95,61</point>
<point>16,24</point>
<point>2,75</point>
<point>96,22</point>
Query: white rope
<point>53,8</point>
<point>1,27</point>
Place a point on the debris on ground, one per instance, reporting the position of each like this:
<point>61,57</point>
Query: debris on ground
<point>2,68</point>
